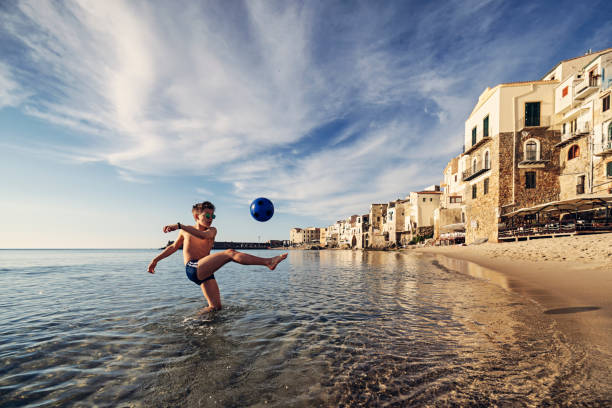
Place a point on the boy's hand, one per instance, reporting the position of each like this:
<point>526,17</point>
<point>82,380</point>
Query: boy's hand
<point>152,266</point>
<point>171,227</point>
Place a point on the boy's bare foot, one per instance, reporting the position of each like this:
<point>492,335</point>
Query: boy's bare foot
<point>207,310</point>
<point>275,261</point>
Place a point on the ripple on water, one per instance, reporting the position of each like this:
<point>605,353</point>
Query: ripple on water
<point>328,328</point>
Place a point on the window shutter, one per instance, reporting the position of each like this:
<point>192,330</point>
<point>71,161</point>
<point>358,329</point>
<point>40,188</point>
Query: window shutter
<point>609,169</point>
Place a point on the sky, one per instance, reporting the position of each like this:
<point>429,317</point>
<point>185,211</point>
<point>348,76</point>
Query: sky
<point>117,116</point>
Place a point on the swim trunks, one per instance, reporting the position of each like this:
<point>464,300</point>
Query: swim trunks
<point>191,269</point>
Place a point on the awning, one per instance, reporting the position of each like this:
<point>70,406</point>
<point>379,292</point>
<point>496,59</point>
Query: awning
<point>459,227</point>
<point>576,204</point>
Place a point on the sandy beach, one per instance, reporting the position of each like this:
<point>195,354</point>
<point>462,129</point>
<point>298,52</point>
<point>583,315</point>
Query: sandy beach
<point>569,277</point>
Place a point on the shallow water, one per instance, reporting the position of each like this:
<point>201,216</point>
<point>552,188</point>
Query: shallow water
<point>327,328</point>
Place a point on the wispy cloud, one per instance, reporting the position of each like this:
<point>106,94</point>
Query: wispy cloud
<point>325,107</point>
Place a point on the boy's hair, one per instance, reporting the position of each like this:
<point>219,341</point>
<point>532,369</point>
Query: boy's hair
<point>206,205</point>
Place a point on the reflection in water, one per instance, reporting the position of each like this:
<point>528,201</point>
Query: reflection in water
<point>326,328</point>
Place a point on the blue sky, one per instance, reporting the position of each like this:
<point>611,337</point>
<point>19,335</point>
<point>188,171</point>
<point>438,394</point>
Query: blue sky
<point>115,117</point>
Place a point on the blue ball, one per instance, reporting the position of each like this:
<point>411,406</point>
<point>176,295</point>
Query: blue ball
<point>262,209</point>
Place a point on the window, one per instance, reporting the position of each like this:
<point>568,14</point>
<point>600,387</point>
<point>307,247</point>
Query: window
<point>486,186</point>
<point>474,165</point>
<point>606,103</point>
<point>455,178</point>
<point>530,179</point>
<point>486,160</point>
<point>485,127</point>
<point>424,199</point>
<point>474,136</point>
<point>531,151</point>
<point>431,199</point>
<point>458,199</point>
<point>574,151</point>
<point>610,132</point>
<point>532,114</point>
<point>609,169</point>
<point>564,127</point>
<point>564,92</point>
<point>580,185</point>
<point>474,191</point>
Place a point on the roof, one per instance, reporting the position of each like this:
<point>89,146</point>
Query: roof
<point>428,192</point>
<point>580,56</point>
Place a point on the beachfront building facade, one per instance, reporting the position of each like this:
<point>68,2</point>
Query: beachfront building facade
<point>323,236</point>
<point>312,235</point>
<point>296,236</point>
<point>333,235</point>
<point>449,217</point>
<point>419,221</point>
<point>581,113</point>
<point>377,215</point>
<point>510,158</point>
<point>347,231</point>
<point>359,232</point>
<point>395,222</point>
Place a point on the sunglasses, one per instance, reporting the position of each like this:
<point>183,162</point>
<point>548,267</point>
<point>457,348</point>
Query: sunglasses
<point>210,216</point>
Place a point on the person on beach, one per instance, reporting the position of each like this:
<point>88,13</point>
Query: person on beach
<point>200,264</point>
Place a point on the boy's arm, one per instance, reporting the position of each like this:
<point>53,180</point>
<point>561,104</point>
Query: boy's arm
<point>208,234</point>
<point>170,249</point>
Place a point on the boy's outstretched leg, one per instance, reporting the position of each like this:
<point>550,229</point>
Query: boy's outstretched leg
<point>209,264</point>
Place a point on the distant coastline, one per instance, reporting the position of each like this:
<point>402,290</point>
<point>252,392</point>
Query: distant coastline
<point>239,245</point>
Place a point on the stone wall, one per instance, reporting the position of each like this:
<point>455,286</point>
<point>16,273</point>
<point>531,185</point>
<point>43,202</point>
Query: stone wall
<point>547,177</point>
<point>481,212</point>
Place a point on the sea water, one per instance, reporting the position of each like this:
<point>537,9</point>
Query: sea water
<point>326,328</point>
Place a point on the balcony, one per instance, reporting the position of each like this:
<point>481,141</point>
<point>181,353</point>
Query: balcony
<point>479,143</point>
<point>586,87</point>
<point>531,159</point>
<point>475,171</point>
<point>606,149</point>
<point>582,130</point>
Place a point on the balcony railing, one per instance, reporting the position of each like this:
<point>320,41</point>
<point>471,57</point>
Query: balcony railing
<point>475,170</point>
<point>606,148</point>
<point>531,156</point>
<point>586,87</point>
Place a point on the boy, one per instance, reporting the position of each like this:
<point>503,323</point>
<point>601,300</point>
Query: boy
<point>200,265</point>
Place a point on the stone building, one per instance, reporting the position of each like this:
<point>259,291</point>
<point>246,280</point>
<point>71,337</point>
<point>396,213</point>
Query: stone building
<point>510,160</point>
<point>377,215</point>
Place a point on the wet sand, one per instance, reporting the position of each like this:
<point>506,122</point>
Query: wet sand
<point>569,277</point>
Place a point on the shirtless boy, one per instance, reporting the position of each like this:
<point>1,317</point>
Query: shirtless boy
<point>200,264</point>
